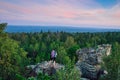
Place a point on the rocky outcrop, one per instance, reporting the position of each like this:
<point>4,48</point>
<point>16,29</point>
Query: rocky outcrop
<point>89,60</point>
<point>90,72</point>
<point>88,64</point>
<point>93,56</point>
<point>46,67</point>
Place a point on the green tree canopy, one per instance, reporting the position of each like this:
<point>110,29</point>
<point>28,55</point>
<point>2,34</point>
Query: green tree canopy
<point>112,63</point>
<point>11,56</point>
<point>2,27</point>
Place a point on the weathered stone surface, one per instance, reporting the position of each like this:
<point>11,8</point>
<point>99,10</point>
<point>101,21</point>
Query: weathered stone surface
<point>89,60</point>
<point>93,56</point>
<point>46,67</point>
<point>87,70</point>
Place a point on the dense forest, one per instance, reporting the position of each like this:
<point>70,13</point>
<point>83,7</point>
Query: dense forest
<point>17,50</point>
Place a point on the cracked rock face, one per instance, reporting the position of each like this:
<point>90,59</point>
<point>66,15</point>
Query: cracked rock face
<point>89,60</point>
<point>88,71</point>
<point>93,56</point>
<point>46,67</point>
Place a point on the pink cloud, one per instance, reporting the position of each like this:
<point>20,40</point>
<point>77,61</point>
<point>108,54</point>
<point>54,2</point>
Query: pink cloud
<point>61,12</point>
<point>117,15</point>
<point>15,7</point>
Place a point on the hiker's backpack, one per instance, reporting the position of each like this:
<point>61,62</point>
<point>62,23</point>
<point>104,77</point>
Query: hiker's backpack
<point>55,54</point>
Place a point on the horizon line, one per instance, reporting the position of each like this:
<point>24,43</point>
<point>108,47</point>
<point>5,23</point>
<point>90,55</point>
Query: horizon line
<point>67,26</point>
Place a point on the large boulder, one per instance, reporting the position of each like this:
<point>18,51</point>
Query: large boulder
<point>89,71</point>
<point>94,56</point>
<point>46,67</point>
<point>89,60</point>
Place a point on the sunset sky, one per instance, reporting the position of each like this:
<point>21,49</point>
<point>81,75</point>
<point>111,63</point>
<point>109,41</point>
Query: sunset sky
<point>100,13</point>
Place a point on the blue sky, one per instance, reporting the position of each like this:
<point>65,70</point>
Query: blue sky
<point>61,12</point>
<point>107,3</point>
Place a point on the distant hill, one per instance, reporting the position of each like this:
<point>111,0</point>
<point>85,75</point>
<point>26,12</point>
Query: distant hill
<point>17,28</point>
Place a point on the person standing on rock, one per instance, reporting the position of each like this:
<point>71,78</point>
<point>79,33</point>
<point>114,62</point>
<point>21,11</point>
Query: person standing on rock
<point>53,56</point>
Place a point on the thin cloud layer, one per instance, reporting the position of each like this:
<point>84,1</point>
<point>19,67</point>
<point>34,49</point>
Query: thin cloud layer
<point>60,12</point>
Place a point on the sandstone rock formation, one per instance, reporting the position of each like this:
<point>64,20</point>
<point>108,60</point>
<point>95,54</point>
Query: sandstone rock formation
<point>45,67</point>
<point>89,60</point>
<point>93,56</point>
